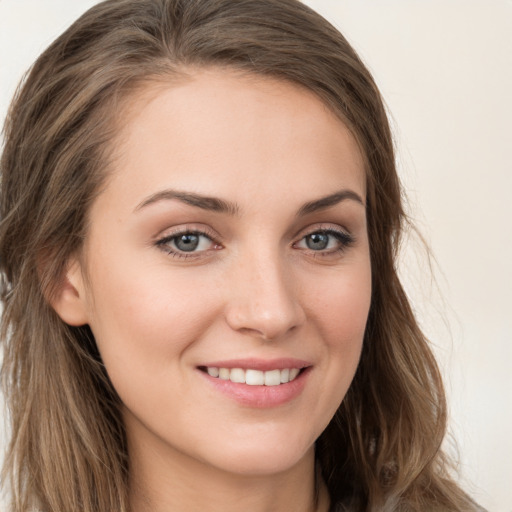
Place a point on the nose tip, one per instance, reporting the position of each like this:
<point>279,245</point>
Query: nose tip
<point>265,306</point>
<point>267,327</point>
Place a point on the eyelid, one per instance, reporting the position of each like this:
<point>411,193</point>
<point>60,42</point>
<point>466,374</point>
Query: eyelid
<point>185,228</point>
<point>322,227</point>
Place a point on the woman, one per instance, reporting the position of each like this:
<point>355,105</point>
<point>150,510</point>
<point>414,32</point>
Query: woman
<point>200,218</point>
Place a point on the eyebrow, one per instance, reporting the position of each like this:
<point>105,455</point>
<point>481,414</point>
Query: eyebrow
<point>213,204</point>
<point>216,204</point>
<point>328,201</point>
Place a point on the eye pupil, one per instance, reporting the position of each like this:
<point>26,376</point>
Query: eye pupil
<point>187,242</point>
<point>317,241</point>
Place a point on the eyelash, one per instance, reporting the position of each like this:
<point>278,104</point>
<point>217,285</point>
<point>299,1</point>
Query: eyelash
<point>163,242</point>
<point>345,240</point>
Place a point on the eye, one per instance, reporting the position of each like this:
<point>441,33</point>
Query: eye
<point>325,240</point>
<point>186,243</point>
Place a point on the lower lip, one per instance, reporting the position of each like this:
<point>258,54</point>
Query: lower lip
<point>260,397</point>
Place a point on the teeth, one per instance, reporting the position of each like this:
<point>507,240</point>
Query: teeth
<point>214,372</point>
<point>293,373</point>
<point>224,373</point>
<point>254,377</point>
<point>237,375</point>
<point>273,378</point>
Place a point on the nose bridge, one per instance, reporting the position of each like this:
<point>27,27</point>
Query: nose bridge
<point>263,299</point>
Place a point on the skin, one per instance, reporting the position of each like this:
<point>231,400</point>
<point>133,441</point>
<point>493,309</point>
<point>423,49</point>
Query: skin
<point>254,288</point>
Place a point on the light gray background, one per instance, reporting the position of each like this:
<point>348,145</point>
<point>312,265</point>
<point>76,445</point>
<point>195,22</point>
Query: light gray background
<point>445,70</point>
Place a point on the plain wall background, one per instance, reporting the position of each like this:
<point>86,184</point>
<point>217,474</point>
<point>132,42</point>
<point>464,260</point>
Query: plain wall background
<point>445,70</point>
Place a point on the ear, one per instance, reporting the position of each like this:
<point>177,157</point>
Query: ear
<point>69,299</point>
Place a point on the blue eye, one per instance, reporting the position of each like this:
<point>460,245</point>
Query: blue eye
<point>186,242</point>
<point>325,240</point>
<point>318,241</point>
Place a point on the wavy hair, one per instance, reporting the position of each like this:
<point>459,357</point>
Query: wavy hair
<point>381,451</point>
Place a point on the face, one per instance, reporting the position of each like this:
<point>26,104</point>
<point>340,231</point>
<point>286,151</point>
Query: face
<point>228,271</point>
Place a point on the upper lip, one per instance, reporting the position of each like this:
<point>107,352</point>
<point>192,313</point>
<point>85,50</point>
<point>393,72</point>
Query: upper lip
<point>259,364</point>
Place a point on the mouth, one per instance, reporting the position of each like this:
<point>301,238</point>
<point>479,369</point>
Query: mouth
<point>252,376</point>
<point>258,383</point>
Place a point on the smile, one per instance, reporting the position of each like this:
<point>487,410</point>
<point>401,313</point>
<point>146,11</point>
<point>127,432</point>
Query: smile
<point>258,383</point>
<point>253,377</point>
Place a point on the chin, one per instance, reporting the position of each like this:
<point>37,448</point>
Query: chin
<point>268,456</point>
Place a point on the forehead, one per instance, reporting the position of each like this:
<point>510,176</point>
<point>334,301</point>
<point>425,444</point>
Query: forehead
<point>217,128</point>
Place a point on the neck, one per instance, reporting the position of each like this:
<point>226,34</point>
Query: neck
<point>163,481</point>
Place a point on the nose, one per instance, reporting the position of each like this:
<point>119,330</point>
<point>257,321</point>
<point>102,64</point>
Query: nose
<point>263,298</point>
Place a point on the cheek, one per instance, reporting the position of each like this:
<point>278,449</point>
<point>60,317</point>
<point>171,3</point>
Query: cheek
<point>340,308</point>
<point>144,321</point>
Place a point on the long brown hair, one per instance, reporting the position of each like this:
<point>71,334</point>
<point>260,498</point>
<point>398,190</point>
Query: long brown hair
<point>381,451</point>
